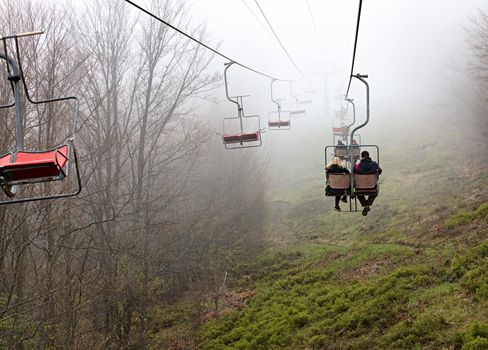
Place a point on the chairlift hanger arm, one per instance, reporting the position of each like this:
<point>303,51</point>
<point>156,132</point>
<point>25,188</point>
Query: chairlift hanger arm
<point>227,66</point>
<point>272,97</point>
<point>362,78</point>
<point>351,101</point>
<point>26,89</point>
<point>11,76</point>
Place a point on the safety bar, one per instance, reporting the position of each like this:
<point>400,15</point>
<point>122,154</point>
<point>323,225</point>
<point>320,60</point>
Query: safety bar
<point>20,35</point>
<point>351,147</point>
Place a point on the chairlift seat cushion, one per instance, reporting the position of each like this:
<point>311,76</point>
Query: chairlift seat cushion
<point>340,131</point>
<point>339,181</point>
<point>6,159</point>
<point>278,123</point>
<point>36,165</point>
<point>253,136</point>
<point>232,138</point>
<point>340,151</point>
<point>241,137</point>
<point>365,182</point>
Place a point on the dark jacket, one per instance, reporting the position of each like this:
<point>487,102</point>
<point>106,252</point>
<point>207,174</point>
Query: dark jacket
<point>368,166</point>
<point>336,169</point>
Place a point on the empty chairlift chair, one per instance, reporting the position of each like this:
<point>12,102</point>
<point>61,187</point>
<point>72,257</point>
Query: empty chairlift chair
<point>278,120</point>
<point>298,110</point>
<point>241,131</point>
<point>21,167</point>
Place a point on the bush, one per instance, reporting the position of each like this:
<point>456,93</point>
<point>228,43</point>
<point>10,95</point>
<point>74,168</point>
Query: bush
<point>474,338</point>
<point>463,217</point>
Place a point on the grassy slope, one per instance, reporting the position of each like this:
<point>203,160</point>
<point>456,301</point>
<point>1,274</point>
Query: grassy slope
<point>413,274</point>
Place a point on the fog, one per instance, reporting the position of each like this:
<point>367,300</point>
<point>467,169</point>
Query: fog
<point>167,214</point>
<point>413,51</point>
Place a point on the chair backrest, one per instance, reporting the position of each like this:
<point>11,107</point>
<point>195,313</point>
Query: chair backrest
<point>340,151</point>
<point>356,152</point>
<point>365,181</point>
<point>339,181</point>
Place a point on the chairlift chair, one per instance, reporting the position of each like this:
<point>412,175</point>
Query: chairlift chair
<point>21,167</point>
<point>353,184</point>
<point>298,110</point>
<point>277,119</point>
<point>243,136</point>
<point>341,135</point>
<point>307,99</point>
<point>339,127</point>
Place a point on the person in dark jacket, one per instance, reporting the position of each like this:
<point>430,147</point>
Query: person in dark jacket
<point>367,166</point>
<point>340,149</point>
<point>336,166</point>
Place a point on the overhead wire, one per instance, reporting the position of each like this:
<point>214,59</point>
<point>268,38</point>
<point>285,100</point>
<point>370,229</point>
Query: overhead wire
<point>313,24</point>
<point>203,44</point>
<point>277,38</point>
<point>354,51</point>
<point>257,19</point>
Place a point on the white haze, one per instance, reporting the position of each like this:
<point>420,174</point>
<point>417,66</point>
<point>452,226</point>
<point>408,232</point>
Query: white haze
<point>410,50</point>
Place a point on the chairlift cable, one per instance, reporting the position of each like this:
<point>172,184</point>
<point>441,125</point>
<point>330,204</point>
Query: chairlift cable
<point>354,51</point>
<point>201,43</point>
<point>277,38</point>
<point>314,25</point>
<point>257,19</point>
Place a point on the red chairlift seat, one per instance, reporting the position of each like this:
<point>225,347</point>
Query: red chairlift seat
<point>241,137</point>
<point>34,166</point>
<point>341,130</point>
<point>279,123</point>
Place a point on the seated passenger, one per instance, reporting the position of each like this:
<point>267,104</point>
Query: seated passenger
<point>367,166</point>
<point>340,150</point>
<point>336,166</point>
<point>355,150</point>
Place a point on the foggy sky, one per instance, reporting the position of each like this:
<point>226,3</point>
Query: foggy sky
<point>408,48</point>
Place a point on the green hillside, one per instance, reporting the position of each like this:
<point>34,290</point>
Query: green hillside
<point>411,275</point>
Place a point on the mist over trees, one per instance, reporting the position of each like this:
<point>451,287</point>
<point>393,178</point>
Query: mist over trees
<point>478,71</point>
<point>164,212</point>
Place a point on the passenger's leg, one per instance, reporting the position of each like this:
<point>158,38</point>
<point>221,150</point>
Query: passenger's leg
<point>337,199</point>
<point>364,202</point>
<point>371,199</point>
